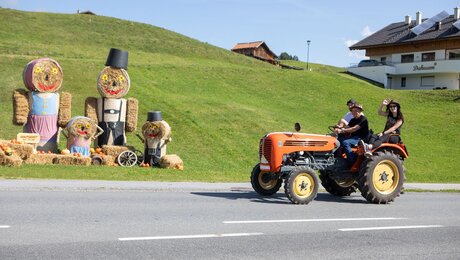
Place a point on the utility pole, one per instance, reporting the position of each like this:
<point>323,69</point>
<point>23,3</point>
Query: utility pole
<point>308,52</point>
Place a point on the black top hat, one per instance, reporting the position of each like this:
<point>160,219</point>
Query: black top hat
<point>117,58</point>
<point>154,116</point>
<point>351,101</point>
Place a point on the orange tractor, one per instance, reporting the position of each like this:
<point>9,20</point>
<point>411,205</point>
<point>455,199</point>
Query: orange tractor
<point>297,157</point>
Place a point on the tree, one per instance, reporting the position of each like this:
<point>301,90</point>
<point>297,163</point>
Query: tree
<point>286,56</point>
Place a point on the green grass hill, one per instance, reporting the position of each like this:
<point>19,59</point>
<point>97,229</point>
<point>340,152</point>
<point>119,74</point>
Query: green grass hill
<point>218,103</point>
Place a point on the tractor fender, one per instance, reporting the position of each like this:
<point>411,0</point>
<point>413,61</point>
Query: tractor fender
<point>398,149</point>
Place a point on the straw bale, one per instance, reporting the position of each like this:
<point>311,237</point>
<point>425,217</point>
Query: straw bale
<point>21,106</point>
<point>172,161</point>
<point>64,114</point>
<point>69,159</point>
<point>109,161</point>
<point>41,159</point>
<point>22,150</point>
<point>91,108</point>
<point>114,150</point>
<point>131,114</point>
<point>12,160</point>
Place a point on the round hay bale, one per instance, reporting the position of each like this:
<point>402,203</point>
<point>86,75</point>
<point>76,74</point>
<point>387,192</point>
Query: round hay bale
<point>172,161</point>
<point>113,82</point>
<point>43,75</point>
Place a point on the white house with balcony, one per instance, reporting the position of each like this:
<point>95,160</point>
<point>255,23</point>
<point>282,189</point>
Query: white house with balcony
<point>414,54</point>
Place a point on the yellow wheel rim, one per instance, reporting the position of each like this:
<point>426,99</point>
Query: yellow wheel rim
<point>386,177</point>
<point>265,182</point>
<point>303,185</point>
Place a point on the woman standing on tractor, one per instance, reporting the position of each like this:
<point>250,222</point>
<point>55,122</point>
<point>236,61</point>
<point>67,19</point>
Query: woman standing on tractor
<point>392,130</point>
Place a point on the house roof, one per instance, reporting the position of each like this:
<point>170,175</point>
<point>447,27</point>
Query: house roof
<point>253,45</point>
<point>247,45</point>
<point>400,33</point>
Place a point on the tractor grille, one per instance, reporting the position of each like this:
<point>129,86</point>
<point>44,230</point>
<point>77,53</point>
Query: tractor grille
<point>267,148</point>
<point>309,143</point>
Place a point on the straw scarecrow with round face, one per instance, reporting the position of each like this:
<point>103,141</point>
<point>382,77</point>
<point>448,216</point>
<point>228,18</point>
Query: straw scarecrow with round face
<point>41,109</point>
<point>156,134</point>
<point>81,132</point>
<point>114,114</point>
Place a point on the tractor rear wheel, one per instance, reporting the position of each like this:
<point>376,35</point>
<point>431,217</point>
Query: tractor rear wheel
<point>337,188</point>
<point>301,185</point>
<point>263,182</point>
<point>381,178</point>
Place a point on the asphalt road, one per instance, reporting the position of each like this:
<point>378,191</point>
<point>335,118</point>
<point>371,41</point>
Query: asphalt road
<point>224,225</point>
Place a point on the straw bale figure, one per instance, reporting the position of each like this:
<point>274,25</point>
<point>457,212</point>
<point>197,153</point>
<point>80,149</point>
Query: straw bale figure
<point>81,131</point>
<point>42,109</point>
<point>114,114</point>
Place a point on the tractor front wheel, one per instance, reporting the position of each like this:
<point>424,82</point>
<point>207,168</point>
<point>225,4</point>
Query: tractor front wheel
<point>263,182</point>
<point>301,185</point>
<point>382,178</point>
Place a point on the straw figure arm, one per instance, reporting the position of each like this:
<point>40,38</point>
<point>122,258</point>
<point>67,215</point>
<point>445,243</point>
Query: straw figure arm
<point>21,106</point>
<point>166,130</point>
<point>91,108</point>
<point>64,114</point>
<point>99,132</point>
<point>132,108</point>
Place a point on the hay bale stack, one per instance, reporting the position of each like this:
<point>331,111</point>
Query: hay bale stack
<point>11,161</point>
<point>41,159</point>
<point>172,161</point>
<point>68,159</point>
<point>132,108</point>
<point>91,108</point>
<point>22,150</point>
<point>20,106</point>
<point>65,112</point>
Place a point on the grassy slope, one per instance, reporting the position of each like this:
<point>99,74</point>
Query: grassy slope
<point>218,103</point>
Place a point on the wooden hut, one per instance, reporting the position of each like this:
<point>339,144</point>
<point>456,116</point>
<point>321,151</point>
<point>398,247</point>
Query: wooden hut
<point>258,50</point>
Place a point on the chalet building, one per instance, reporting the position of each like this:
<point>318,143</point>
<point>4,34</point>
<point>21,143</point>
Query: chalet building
<point>258,50</point>
<point>414,54</point>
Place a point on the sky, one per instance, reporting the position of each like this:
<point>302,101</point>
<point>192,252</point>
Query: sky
<point>284,25</point>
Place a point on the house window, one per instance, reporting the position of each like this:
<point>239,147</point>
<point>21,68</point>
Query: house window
<point>427,81</point>
<point>383,60</point>
<point>428,56</point>
<point>407,58</point>
<point>454,55</point>
<point>403,82</point>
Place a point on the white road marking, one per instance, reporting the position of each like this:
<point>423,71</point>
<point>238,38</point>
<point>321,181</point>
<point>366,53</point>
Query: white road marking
<point>189,236</point>
<point>305,220</point>
<point>393,227</point>
<point>5,226</point>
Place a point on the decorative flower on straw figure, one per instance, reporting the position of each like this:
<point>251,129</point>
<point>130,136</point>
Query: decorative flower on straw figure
<point>42,110</point>
<point>81,132</point>
<point>114,114</point>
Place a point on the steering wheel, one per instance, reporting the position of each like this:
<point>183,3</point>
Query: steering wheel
<point>332,128</point>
